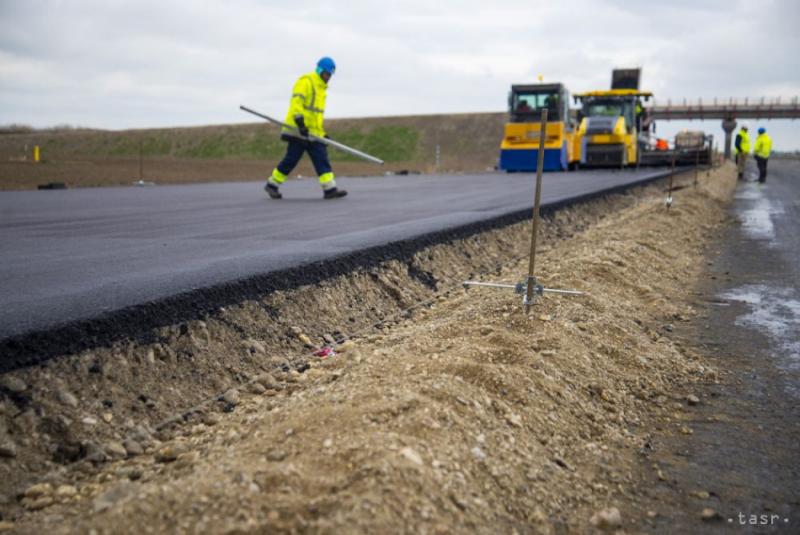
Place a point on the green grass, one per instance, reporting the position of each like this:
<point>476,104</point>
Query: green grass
<point>155,144</point>
<point>215,146</point>
<point>260,145</point>
<point>391,143</point>
<point>393,139</point>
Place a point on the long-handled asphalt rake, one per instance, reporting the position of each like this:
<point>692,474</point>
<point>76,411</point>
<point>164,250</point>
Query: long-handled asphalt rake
<point>335,144</point>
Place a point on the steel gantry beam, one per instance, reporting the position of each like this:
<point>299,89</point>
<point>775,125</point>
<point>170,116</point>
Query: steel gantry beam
<point>762,109</point>
<point>728,112</point>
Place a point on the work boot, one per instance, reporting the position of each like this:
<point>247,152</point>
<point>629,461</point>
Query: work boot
<point>334,193</point>
<point>272,191</point>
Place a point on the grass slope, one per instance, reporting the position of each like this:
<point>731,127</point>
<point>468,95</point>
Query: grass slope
<point>394,139</point>
<point>81,158</point>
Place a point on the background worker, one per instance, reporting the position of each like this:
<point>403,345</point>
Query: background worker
<point>306,110</point>
<point>523,107</point>
<point>761,152</point>
<point>742,149</point>
<point>639,115</point>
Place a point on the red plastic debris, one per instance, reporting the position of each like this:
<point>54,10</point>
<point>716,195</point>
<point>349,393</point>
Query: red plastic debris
<point>325,352</point>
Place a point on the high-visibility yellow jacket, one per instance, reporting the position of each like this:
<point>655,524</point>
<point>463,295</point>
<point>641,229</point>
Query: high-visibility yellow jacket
<point>308,100</point>
<point>744,145</point>
<point>763,146</point>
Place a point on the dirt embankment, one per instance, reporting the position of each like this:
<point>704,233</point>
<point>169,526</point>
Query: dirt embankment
<point>81,407</point>
<point>464,413</point>
<point>465,143</point>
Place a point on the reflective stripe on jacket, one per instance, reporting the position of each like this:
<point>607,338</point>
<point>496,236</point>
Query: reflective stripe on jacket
<point>308,100</point>
<point>763,146</point>
<point>744,146</point>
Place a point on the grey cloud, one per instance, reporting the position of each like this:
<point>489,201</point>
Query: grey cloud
<point>121,64</point>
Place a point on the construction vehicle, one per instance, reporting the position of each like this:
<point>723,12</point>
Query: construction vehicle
<point>654,150</point>
<point>690,147</point>
<point>611,120</point>
<point>519,150</point>
<point>693,146</point>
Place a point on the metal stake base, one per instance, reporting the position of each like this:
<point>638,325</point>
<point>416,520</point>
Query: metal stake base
<point>522,288</point>
<point>529,288</point>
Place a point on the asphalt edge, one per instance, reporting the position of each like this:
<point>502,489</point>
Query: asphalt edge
<point>138,323</point>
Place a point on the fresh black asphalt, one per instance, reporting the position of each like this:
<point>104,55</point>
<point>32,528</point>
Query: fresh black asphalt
<point>79,264</point>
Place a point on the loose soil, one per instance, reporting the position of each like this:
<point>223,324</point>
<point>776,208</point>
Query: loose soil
<point>460,413</point>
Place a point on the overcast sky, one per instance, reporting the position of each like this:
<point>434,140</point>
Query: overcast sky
<point>155,63</point>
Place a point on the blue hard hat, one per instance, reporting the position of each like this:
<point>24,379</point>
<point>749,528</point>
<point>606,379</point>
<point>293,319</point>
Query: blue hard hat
<point>762,130</point>
<point>326,64</point>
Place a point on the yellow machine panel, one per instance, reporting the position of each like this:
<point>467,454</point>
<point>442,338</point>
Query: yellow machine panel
<point>519,147</point>
<point>609,127</point>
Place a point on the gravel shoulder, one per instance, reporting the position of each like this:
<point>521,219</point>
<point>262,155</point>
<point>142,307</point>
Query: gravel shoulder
<point>463,413</point>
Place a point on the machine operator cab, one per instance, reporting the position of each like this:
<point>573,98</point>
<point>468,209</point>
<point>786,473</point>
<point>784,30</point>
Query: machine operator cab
<point>609,126</point>
<point>613,108</point>
<point>526,102</point>
<point>520,146</point>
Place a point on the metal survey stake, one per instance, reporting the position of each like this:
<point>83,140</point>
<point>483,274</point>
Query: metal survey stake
<point>536,202</point>
<point>335,144</point>
<point>521,288</point>
<point>529,287</point>
<point>671,177</point>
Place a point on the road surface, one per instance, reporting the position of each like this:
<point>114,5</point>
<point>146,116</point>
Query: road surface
<point>746,432</point>
<point>73,255</point>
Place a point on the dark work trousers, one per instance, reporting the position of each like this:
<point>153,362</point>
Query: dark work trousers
<point>316,150</point>
<point>762,168</point>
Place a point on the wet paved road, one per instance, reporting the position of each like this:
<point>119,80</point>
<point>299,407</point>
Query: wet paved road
<point>746,442</point>
<point>769,289</point>
<point>72,255</point>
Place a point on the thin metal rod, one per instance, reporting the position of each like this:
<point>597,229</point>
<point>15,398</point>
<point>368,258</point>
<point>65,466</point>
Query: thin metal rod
<point>141,164</point>
<point>516,286</point>
<point>335,144</point>
<point>567,292</point>
<point>490,284</point>
<point>536,202</point>
<point>671,177</point>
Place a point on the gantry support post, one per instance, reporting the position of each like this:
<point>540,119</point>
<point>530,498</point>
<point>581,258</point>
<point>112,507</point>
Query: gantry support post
<point>728,125</point>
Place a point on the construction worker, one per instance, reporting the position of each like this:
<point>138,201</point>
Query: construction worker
<point>761,152</point>
<point>639,115</point>
<point>742,149</point>
<point>523,107</point>
<point>306,110</point>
